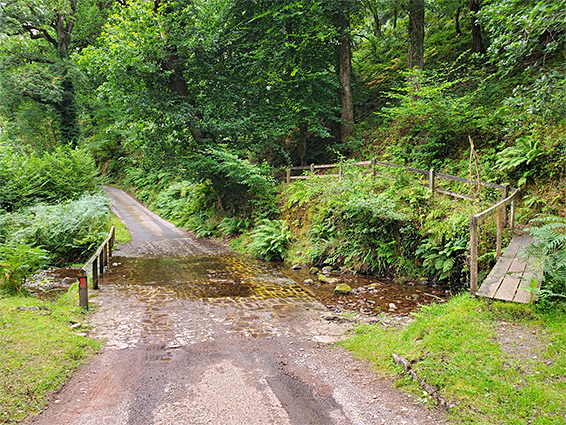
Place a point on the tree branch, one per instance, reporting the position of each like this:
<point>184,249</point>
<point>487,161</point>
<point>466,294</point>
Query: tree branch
<point>38,99</point>
<point>36,33</point>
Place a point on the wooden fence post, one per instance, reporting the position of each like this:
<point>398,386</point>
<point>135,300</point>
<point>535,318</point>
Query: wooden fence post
<point>499,233</point>
<point>505,195</point>
<point>339,172</point>
<point>83,290</point>
<point>112,237</point>
<point>101,263</point>
<point>512,218</point>
<point>431,177</point>
<point>312,168</point>
<point>373,168</point>
<point>288,175</point>
<point>95,274</point>
<point>105,255</point>
<point>473,255</point>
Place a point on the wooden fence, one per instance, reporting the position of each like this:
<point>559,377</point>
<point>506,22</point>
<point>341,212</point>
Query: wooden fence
<point>508,198</point>
<point>96,265</point>
<point>475,219</point>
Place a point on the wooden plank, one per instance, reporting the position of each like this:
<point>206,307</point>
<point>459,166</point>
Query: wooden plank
<point>511,281</point>
<point>533,272</point>
<point>325,166</point>
<point>493,281</point>
<point>508,288</point>
<point>454,194</point>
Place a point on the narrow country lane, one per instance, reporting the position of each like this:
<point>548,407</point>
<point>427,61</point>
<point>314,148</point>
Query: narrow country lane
<point>196,334</point>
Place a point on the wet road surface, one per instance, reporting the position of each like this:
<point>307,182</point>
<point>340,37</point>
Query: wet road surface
<point>198,335</point>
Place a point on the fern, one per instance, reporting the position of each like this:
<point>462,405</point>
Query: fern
<point>549,248</point>
<point>270,239</point>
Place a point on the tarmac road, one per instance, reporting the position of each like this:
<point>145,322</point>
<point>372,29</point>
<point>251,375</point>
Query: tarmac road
<point>198,335</point>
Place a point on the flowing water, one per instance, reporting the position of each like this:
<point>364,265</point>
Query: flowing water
<point>230,279</point>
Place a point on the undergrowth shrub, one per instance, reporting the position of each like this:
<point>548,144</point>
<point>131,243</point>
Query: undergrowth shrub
<point>383,226</point>
<point>270,240</point>
<point>242,189</point>
<point>17,262</point>
<point>68,231</point>
<point>429,122</point>
<point>27,178</point>
<point>549,248</point>
<point>211,193</point>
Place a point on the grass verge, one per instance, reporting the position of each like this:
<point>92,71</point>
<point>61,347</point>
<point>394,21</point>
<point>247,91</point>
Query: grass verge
<point>122,235</point>
<point>39,351</point>
<point>499,363</point>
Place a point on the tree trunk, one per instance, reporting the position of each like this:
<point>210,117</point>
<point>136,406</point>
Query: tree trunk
<point>415,57</point>
<point>345,72</point>
<point>477,42</point>
<point>395,16</point>
<point>302,142</point>
<point>457,21</point>
<point>67,112</point>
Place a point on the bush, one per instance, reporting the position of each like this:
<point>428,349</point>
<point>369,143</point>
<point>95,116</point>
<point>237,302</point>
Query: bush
<point>270,239</point>
<point>26,178</point>
<point>17,262</point>
<point>549,248</point>
<point>242,189</point>
<point>430,124</point>
<point>68,231</point>
<point>383,226</point>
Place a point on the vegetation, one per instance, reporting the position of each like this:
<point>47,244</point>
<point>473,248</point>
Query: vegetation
<point>198,105</point>
<point>270,239</point>
<point>27,177</point>
<point>40,350</point>
<point>497,364</point>
<point>385,226</point>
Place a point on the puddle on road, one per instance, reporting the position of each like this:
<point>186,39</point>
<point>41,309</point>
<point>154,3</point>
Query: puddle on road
<point>233,280</point>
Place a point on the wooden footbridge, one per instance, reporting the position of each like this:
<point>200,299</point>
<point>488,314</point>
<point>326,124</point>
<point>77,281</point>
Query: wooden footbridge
<point>513,278</point>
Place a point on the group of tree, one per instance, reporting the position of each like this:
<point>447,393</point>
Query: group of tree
<point>282,80</point>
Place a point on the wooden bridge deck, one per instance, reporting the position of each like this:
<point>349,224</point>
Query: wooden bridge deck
<point>511,275</point>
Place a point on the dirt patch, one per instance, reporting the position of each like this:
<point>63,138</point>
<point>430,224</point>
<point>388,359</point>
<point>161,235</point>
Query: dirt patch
<point>522,346</point>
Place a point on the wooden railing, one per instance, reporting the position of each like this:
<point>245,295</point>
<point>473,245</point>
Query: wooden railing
<point>432,176</point>
<point>508,195</point>
<point>96,265</point>
<point>501,209</point>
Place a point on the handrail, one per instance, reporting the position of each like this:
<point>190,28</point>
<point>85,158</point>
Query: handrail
<point>97,262</point>
<point>476,219</point>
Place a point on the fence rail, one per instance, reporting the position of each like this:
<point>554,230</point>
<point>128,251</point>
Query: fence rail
<point>500,209</point>
<point>95,265</point>
<point>508,197</point>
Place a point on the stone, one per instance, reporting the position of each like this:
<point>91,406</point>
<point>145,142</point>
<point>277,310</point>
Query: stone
<point>314,270</point>
<point>326,279</point>
<point>31,308</point>
<point>308,281</point>
<point>327,269</point>
<point>342,288</point>
<point>295,267</point>
<point>68,281</point>
<point>392,307</point>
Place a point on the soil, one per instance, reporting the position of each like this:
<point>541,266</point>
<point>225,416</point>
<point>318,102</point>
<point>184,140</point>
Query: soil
<point>195,334</point>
